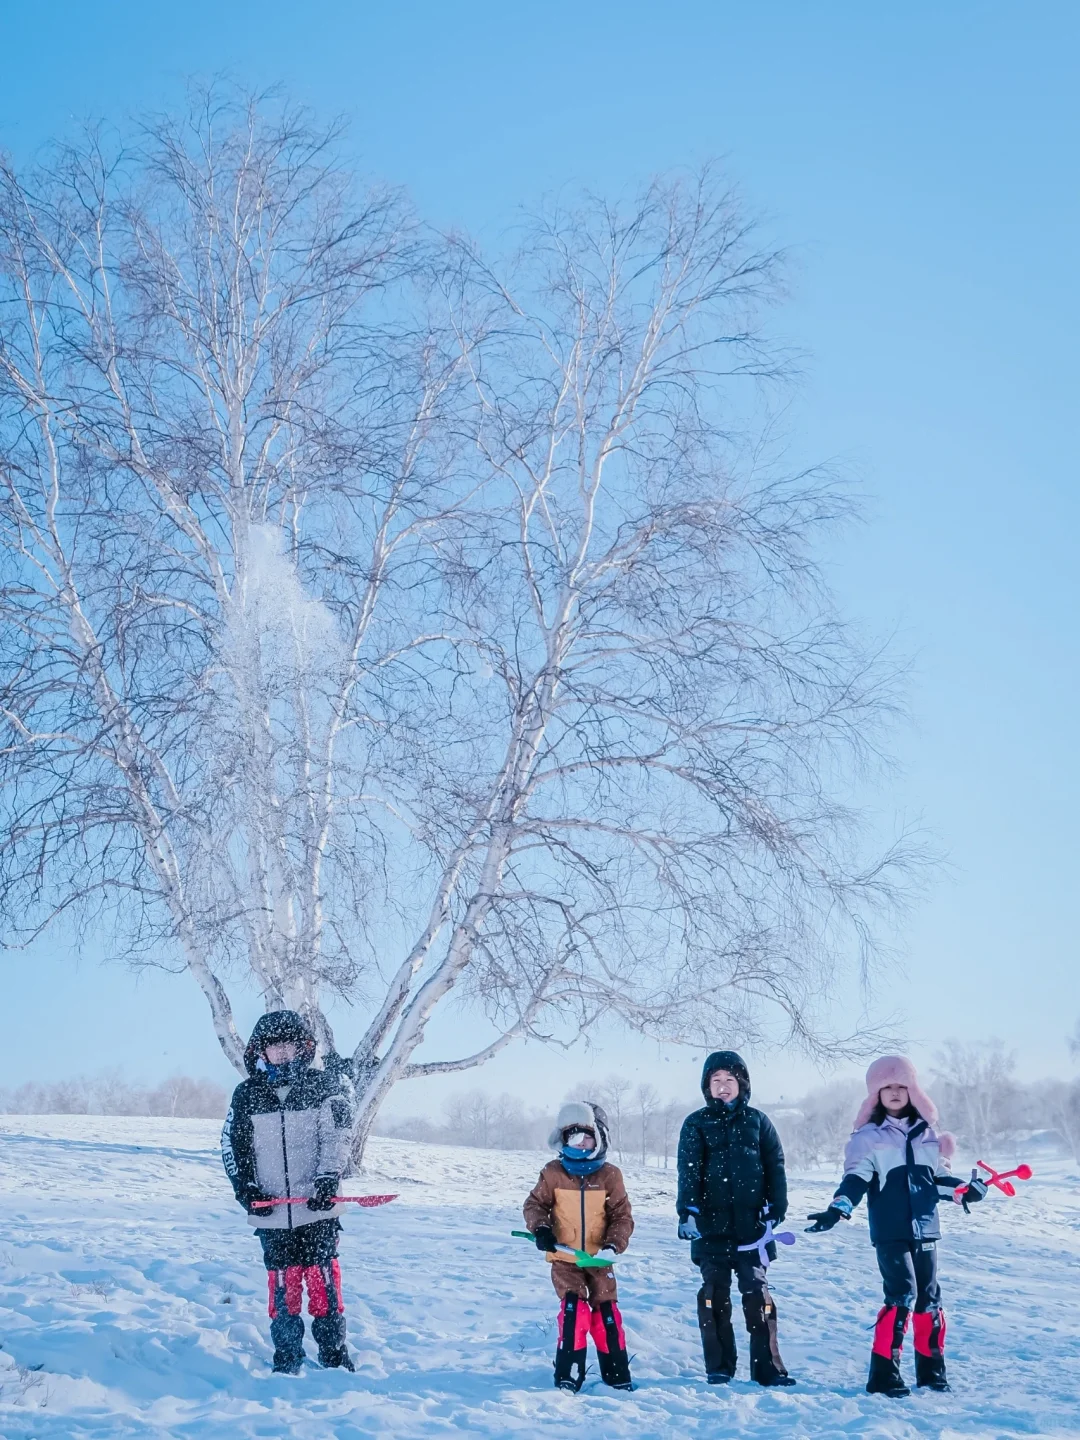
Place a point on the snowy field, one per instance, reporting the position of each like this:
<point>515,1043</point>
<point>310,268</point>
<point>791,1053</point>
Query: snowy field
<point>133,1303</point>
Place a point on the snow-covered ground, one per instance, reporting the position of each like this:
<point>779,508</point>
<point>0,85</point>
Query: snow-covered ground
<point>132,1304</point>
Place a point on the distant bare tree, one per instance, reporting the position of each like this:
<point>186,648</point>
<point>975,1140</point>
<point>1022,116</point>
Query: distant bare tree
<point>1064,1098</point>
<point>670,1119</point>
<point>978,1091</point>
<point>615,1095</point>
<point>364,599</point>
<point>476,1118</point>
<point>646,1103</point>
<point>184,1097</point>
<point>815,1129</point>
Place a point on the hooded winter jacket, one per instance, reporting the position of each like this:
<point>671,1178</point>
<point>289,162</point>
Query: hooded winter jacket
<point>731,1163</point>
<point>586,1212</point>
<point>898,1166</point>
<point>281,1140</point>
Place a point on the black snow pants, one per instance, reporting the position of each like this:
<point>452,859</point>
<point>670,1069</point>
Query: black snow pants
<point>909,1275</point>
<point>307,1255</point>
<point>759,1312</point>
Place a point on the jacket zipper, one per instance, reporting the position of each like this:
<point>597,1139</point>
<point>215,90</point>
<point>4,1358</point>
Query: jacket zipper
<point>583,1212</point>
<point>285,1160</point>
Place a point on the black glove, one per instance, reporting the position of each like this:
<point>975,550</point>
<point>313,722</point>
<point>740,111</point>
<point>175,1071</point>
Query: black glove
<point>324,1191</point>
<point>248,1197</point>
<point>976,1190</point>
<point>776,1216</point>
<point>825,1219</point>
<point>545,1238</point>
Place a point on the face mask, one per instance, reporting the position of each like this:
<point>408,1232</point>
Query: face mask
<point>581,1140</point>
<point>283,1074</point>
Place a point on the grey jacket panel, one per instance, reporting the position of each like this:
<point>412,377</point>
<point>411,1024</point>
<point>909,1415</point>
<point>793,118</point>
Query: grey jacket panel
<point>293,1148</point>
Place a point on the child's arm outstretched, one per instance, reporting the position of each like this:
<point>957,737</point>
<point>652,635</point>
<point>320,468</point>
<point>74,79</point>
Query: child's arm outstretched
<point>858,1173</point>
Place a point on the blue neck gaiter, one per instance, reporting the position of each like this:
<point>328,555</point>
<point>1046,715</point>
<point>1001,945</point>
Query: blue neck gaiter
<point>285,1074</point>
<point>580,1162</point>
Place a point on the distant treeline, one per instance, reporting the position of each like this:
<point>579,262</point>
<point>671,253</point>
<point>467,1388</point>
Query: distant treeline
<point>976,1088</point>
<point>109,1093</point>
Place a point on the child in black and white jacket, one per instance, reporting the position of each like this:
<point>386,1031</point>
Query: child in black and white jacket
<point>897,1159</point>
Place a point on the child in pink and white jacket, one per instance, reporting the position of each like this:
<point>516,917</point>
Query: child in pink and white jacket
<point>898,1160</point>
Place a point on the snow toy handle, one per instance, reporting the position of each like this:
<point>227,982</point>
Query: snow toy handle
<point>1002,1179</point>
<point>767,1238</point>
<point>567,1253</point>
<point>366,1200</point>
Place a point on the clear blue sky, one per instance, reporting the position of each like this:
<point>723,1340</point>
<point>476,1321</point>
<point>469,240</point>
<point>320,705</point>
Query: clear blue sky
<point>921,159</point>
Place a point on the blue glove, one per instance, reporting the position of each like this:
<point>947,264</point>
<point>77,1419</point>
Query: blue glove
<point>688,1228</point>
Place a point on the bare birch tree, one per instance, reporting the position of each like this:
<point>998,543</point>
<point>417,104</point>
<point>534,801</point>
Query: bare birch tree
<point>214,464</point>
<point>388,625</point>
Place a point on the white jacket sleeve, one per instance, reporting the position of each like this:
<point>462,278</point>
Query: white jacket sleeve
<point>334,1122</point>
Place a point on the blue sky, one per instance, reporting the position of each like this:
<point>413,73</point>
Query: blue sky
<point>921,161</point>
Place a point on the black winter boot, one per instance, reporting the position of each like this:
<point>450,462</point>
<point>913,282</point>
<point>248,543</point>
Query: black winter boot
<point>717,1334</point>
<point>287,1333</point>
<point>607,1331</point>
<point>571,1355</point>
<point>929,1331</point>
<point>328,1331</point>
<point>766,1366</point>
<point>885,1377</point>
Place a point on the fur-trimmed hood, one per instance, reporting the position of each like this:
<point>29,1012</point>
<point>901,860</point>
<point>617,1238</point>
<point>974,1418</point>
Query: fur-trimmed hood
<point>581,1115</point>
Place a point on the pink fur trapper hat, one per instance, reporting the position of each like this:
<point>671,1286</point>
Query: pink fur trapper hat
<point>895,1070</point>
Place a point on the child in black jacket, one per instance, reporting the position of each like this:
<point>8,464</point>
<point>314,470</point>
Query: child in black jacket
<point>731,1167</point>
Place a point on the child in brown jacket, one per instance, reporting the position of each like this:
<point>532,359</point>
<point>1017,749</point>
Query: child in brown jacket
<point>580,1201</point>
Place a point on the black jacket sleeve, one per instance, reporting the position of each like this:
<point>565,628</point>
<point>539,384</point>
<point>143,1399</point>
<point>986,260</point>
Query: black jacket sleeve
<point>691,1168</point>
<point>772,1164</point>
<point>238,1145</point>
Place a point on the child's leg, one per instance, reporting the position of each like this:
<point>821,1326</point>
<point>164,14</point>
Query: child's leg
<point>607,1329</point>
<point>714,1321</point>
<point>574,1320</point>
<point>325,1304</point>
<point>759,1311</point>
<point>285,1284</point>
<point>928,1322</point>
<point>897,1266</point>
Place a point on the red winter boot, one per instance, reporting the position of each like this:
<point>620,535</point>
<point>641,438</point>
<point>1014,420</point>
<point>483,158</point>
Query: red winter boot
<point>885,1377</point>
<point>574,1317</point>
<point>607,1332</point>
<point>286,1298</point>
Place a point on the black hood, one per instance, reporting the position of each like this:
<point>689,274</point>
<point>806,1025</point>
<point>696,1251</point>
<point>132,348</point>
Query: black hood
<point>726,1060</point>
<point>279,1025</point>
